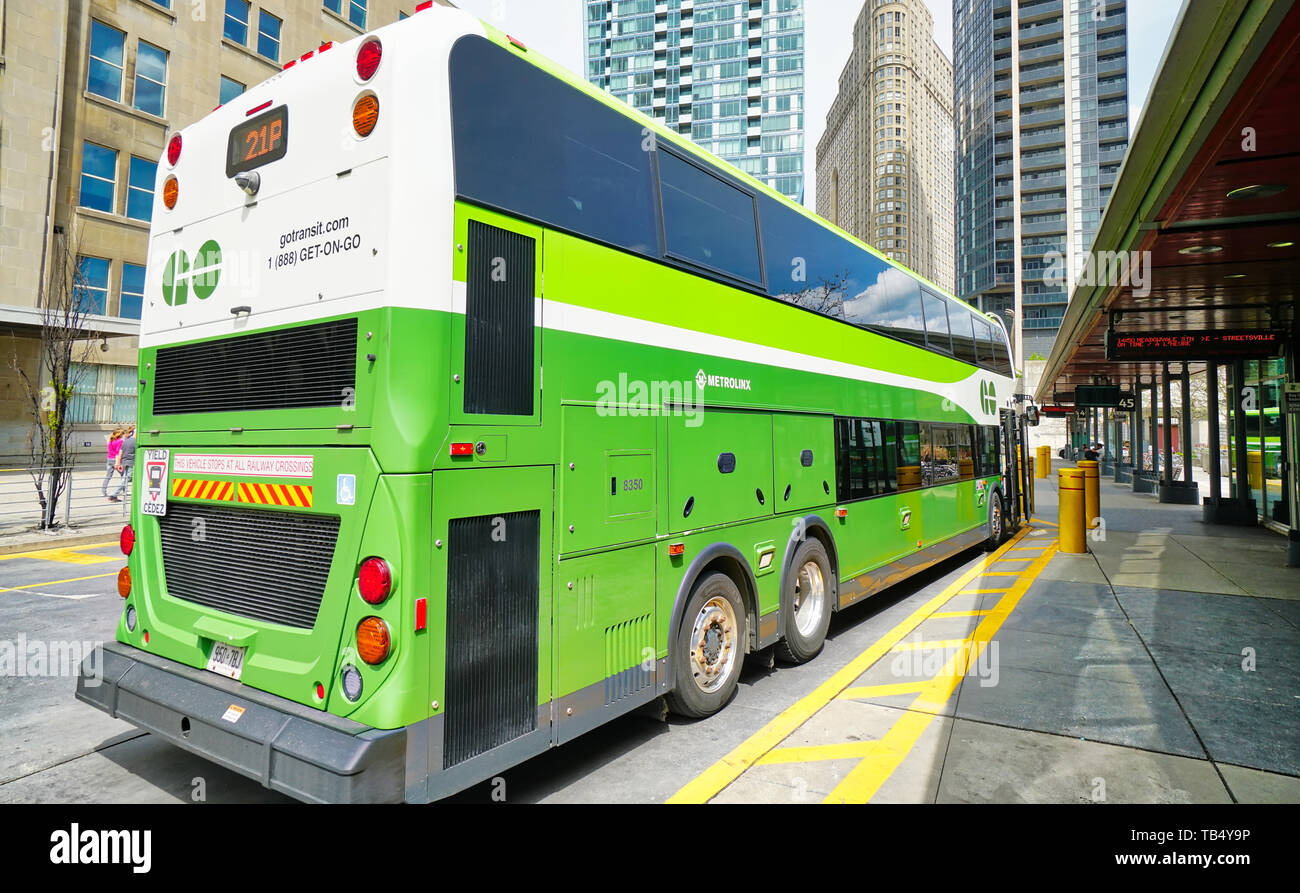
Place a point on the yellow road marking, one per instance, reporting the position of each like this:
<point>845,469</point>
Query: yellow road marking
<point>865,779</point>
<point>983,591</point>
<point>880,691</point>
<point>1041,521</point>
<point>54,583</point>
<point>943,615</point>
<point>70,555</point>
<point>711,781</point>
<point>1002,573</point>
<point>815,753</point>
<point>932,644</point>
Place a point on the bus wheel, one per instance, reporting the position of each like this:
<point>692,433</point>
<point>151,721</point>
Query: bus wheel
<point>808,608</point>
<point>710,648</point>
<point>996,531</point>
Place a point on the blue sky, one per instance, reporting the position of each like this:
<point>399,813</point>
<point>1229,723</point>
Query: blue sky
<point>554,28</point>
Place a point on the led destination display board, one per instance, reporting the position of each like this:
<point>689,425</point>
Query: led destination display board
<point>1195,345</point>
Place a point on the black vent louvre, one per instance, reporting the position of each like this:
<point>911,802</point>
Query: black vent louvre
<point>222,558</point>
<point>492,605</point>
<point>287,369</point>
<point>500,277</point>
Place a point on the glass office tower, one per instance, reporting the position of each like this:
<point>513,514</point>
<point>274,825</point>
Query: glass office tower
<point>727,73</point>
<point>1041,107</point>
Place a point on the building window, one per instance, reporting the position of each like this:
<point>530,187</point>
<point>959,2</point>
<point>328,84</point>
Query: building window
<point>139,188</point>
<point>90,285</point>
<point>230,88</point>
<point>102,394</point>
<point>355,10</point>
<point>268,36</point>
<point>132,291</point>
<point>98,177</point>
<point>237,21</point>
<point>106,51</point>
<point>150,78</point>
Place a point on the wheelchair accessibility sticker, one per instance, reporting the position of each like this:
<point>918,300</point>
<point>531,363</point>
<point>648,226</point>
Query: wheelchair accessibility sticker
<point>345,490</point>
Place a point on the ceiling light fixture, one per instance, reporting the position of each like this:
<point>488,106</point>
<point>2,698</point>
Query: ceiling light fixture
<point>1201,249</point>
<point>1258,190</point>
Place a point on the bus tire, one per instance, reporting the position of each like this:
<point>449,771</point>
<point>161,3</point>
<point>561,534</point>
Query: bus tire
<point>997,522</point>
<point>710,648</point>
<point>807,608</point>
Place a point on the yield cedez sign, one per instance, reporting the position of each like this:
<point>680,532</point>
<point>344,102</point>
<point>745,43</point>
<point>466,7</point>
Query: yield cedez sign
<point>154,500</point>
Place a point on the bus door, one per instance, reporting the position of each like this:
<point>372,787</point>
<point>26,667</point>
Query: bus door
<point>1012,480</point>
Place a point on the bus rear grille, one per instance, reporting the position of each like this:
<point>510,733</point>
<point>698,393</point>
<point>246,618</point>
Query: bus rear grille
<point>266,565</point>
<point>294,368</point>
<point>492,632</point>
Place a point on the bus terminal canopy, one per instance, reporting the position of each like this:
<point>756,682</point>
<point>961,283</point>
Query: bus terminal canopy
<point>1205,213</point>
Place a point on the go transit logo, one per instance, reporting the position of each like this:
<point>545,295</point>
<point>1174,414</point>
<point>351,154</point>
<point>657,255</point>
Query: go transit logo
<point>988,397</point>
<point>179,276</point>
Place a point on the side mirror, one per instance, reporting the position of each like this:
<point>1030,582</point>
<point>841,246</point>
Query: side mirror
<point>1031,415</point>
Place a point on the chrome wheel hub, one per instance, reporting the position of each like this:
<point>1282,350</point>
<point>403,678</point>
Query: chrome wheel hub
<point>809,598</point>
<point>713,644</point>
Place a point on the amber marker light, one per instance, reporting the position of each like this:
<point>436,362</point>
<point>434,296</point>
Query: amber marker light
<point>365,114</point>
<point>171,189</point>
<point>124,582</point>
<point>373,640</point>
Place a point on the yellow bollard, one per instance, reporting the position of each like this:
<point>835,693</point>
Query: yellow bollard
<point>1070,493</point>
<point>1091,492</point>
<point>1255,470</point>
<point>1044,467</point>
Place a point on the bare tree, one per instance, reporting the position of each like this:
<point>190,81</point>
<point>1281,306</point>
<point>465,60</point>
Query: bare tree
<point>53,378</point>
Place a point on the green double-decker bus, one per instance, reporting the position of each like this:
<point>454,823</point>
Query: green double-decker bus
<point>478,409</point>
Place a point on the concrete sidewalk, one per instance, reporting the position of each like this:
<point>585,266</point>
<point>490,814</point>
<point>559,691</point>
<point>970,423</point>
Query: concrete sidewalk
<point>1162,667</point>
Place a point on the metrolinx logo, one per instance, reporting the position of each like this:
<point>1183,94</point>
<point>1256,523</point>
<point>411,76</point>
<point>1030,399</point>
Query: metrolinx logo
<point>988,397</point>
<point>179,276</point>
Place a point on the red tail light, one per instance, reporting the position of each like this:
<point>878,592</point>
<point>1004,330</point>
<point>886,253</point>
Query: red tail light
<point>368,57</point>
<point>421,7</point>
<point>127,539</point>
<point>375,580</point>
<point>174,148</point>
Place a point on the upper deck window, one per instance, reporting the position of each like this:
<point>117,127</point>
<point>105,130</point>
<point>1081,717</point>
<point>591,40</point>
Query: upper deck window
<point>528,143</point>
<point>708,221</point>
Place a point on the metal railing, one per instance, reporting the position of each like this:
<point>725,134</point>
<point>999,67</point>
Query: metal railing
<point>81,497</point>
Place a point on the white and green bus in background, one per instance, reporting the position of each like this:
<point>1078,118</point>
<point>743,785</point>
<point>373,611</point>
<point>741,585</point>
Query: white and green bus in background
<point>477,409</point>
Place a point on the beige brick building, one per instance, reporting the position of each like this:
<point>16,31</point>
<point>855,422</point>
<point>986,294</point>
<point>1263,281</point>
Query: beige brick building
<point>90,92</point>
<point>885,162</point>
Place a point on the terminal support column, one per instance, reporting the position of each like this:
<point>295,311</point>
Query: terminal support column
<point>1243,493</point>
<point>1212,403</point>
<point>1187,425</point>
<point>1168,445</point>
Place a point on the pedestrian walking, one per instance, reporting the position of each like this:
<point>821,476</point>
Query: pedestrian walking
<point>114,451</point>
<point>125,462</point>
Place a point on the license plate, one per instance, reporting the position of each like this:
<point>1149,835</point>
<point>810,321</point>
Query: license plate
<point>228,660</point>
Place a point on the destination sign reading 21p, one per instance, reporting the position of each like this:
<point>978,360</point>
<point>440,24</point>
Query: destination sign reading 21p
<point>1192,345</point>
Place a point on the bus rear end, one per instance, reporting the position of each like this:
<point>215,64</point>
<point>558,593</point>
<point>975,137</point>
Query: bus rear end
<point>292,400</point>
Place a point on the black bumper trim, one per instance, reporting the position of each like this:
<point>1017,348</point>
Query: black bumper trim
<point>304,753</point>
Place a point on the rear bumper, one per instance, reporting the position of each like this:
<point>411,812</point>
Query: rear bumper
<point>305,753</point>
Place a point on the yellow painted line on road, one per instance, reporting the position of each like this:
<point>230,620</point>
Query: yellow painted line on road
<point>816,753</point>
<point>30,591</point>
<point>944,615</point>
<point>70,555</point>
<point>882,691</point>
<point>865,779</point>
<point>983,591</point>
<point>1041,521</point>
<point>711,781</point>
<point>929,645</point>
<point>1002,573</point>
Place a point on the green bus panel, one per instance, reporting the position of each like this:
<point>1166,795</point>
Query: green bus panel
<point>720,465</point>
<point>605,623</point>
<point>607,478</point>
<point>804,460</point>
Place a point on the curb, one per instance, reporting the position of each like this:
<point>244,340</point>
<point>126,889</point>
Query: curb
<point>40,543</point>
